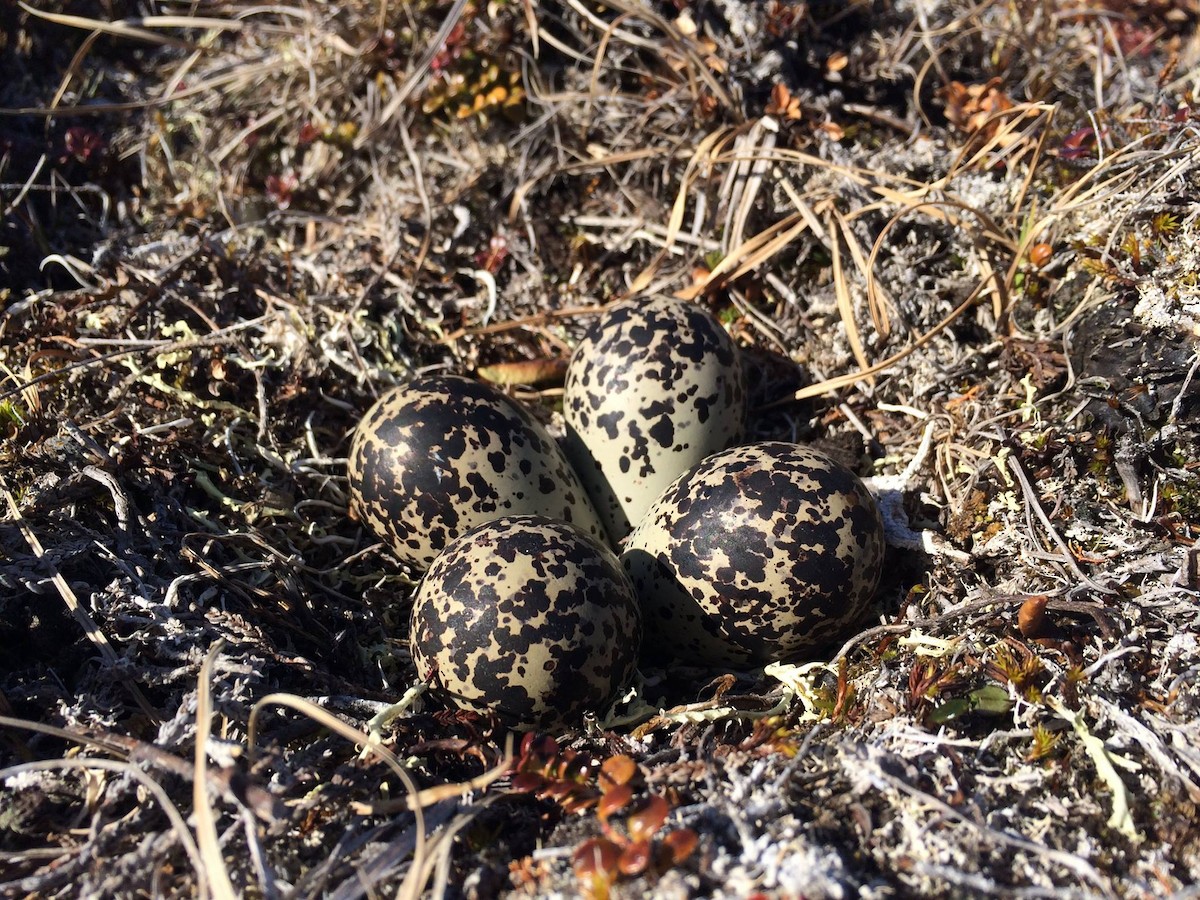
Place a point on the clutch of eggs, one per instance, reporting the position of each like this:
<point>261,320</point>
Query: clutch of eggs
<point>747,555</point>
<point>529,619</point>
<point>441,454</point>
<point>653,388</point>
<point>760,553</point>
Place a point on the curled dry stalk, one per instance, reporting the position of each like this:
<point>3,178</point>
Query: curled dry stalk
<point>121,767</point>
<point>215,871</point>
<point>431,851</point>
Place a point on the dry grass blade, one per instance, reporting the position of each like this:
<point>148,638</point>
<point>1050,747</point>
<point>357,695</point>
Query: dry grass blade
<point>424,856</point>
<point>860,176</point>
<point>419,183</point>
<point>1157,185</point>
<point>744,179</point>
<point>594,89</point>
<point>699,163</point>
<point>1031,499</point>
<point>29,395</point>
<point>700,160</point>
<point>943,211</point>
<point>600,162</point>
<point>215,870</point>
<point>440,792</point>
<point>1090,190</point>
<point>139,25</point>
<point>696,65</point>
<point>243,75</point>
<point>416,76</point>
<point>539,320</point>
<point>350,733</point>
<point>1000,294</point>
<point>842,288</point>
<point>839,382</point>
<point>877,299</point>
<point>750,255</point>
<point>1010,143</point>
<point>73,69</point>
<point>1031,170</point>
<point>531,22</point>
<point>128,30</point>
<point>437,856</point>
<point>958,32</point>
<point>64,734</point>
<point>327,720</point>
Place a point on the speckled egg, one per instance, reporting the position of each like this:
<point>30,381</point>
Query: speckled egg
<point>528,618</point>
<point>653,389</point>
<point>761,553</point>
<point>441,454</point>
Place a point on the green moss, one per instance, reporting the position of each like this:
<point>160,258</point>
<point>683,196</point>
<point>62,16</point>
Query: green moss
<point>1183,498</point>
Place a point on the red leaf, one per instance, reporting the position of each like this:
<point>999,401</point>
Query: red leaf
<point>614,801</point>
<point>680,844</point>
<point>617,770</point>
<point>527,782</point>
<point>635,858</point>
<point>595,855</point>
<point>649,818</point>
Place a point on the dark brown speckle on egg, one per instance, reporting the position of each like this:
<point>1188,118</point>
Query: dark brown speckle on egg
<point>442,454</point>
<point>527,618</point>
<point>761,553</point>
<point>654,388</point>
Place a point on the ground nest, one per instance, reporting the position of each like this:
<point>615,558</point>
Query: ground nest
<point>956,243</point>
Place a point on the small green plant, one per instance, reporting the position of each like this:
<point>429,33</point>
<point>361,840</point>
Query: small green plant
<point>991,700</point>
<point>1102,458</point>
<point>11,417</point>
<point>834,701</point>
<point>1183,499</point>
<point>1164,225</point>
<point>1042,745</point>
<point>1015,664</point>
<point>929,679</point>
<point>1075,676</point>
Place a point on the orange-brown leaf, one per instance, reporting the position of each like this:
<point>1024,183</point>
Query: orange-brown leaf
<point>596,855</point>
<point>1032,617</point>
<point>649,818</point>
<point>634,858</point>
<point>1041,254</point>
<point>578,803</point>
<point>680,844</point>
<point>527,781</point>
<point>614,800</point>
<point>617,770</point>
<point>782,103</point>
